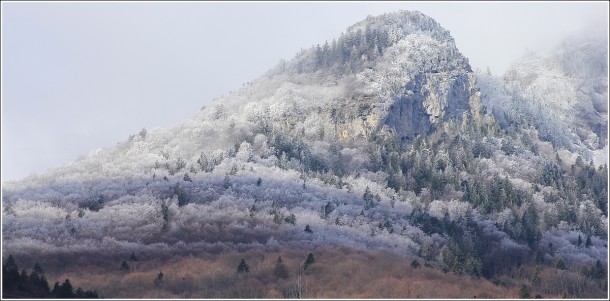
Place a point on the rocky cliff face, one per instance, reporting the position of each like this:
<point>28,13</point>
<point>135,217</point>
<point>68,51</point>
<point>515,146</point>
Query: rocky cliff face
<point>430,100</point>
<point>415,81</point>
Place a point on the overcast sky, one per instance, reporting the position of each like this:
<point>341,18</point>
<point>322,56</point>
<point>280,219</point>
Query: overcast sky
<point>81,76</point>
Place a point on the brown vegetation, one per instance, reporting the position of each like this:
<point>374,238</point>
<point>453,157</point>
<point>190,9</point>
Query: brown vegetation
<point>338,272</point>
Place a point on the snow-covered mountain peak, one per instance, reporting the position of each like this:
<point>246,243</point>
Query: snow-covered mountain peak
<point>402,23</point>
<point>376,139</point>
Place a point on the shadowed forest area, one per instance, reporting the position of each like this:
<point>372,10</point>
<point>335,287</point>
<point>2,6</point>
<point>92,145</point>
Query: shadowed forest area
<point>35,285</point>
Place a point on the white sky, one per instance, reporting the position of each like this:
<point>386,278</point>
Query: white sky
<point>80,76</point>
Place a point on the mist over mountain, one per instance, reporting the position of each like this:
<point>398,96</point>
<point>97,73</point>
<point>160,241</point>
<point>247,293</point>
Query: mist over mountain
<point>382,139</point>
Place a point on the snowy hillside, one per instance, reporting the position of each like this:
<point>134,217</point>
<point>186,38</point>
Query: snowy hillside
<point>570,87</point>
<point>381,139</point>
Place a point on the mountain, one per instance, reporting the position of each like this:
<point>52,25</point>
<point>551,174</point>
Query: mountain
<point>568,90</point>
<point>381,140</point>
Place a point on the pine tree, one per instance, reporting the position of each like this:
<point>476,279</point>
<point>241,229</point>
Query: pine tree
<point>124,267</point>
<point>226,183</point>
<point>243,267</point>
<point>66,291</point>
<point>415,264</point>
<point>308,229</point>
<point>158,280</point>
<point>368,199</point>
<point>259,181</point>
<point>308,261</point>
<point>10,274</point>
<point>55,290</point>
<point>291,219</point>
<point>588,241</point>
<point>536,278</point>
<point>252,210</point>
<point>133,257</point>
<point>38,269</point>
<point>10,264</point>
<point>560,264</point>
<point>579,242</point>
<point>280,270</point>
<point>539,257</point>
<point>524,292</point>
<point>79,294</point>
<point>598,272</point>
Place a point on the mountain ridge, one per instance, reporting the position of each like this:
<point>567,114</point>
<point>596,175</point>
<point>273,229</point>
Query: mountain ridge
<point>374,141</point>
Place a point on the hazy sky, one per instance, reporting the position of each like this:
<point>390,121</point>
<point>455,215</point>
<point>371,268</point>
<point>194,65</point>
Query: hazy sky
<point>80,76</point>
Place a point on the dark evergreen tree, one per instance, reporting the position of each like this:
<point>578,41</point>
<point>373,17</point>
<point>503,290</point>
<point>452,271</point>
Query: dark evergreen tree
<point>536,278</point>
<point>280,270</point>
<point>579,242</point>
<point>369,199</point>
<point>183,197</point>
<point>415,264</point>
<point>226,183</point>
<point>124,267</point>
<point>79,293</point>
<point>23,278</point>
<point>259,181</point>
<point>308,229</point>
<point>243,267</point>
<point>561,265</point>
<point>598,271</point>
<point>38,269</point>
<point>133,257</point>
<point>91,294</point>
<point>588,241</point>
<point>524,292</point>
<point>66,291</point>
<point>328,209</point>
<point>10,275</point>
<point>539,257</point>
<point>291,219</point>
<point>308,261</point>
<point>157,282</point>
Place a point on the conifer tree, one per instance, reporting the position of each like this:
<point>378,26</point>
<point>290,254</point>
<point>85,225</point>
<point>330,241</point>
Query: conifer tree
<point>38,269</point>
<point>308,261</point>
<point>158,280</point>
<point>280,270</point>
<point>560,264</point>
<point>66,291</point>
<point>124,267</point>
<point>524,292</point>
<point>243,267</point>
<point>133,257</point>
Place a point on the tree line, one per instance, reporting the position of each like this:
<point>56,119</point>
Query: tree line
<point>17,284</point>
